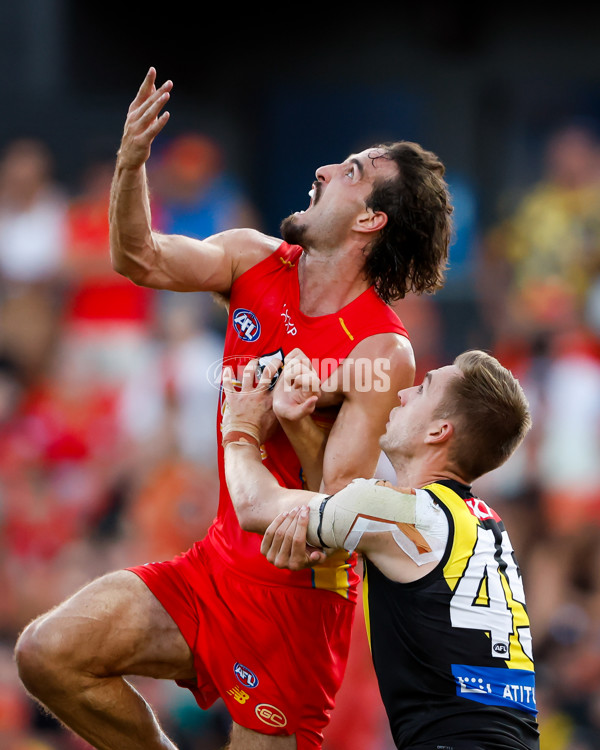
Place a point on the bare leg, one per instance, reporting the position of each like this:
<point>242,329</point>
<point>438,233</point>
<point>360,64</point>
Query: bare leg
<point>72,660</point>
<point>246,739</point>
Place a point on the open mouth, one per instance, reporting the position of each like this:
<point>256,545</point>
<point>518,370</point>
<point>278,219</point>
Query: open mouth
<point>314,194</point>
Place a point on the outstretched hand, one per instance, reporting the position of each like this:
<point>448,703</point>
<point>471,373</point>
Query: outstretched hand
<point>284,543</point>
<point>144,121</point>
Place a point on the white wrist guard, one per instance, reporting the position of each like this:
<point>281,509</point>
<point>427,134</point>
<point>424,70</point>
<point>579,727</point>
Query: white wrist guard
<point>418,525</point>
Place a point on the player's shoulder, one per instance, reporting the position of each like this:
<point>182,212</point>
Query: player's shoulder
<point>247,247</point>
<point>361,487</point>
<point>387,343</point>
<point>393,352</point>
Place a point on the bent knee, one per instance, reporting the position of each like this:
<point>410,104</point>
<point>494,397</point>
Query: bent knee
<point>39,653</point>
<point>65,639</point>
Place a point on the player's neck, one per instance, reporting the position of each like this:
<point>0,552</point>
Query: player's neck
<point>329,282</point>
<point>420,473</point>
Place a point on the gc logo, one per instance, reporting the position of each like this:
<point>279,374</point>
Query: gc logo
<point>270,715</point>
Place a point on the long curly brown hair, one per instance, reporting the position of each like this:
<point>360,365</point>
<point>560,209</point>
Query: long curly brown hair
<point>411,253</point>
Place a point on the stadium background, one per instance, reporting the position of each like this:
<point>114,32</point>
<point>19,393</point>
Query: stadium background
<point>106,416</point>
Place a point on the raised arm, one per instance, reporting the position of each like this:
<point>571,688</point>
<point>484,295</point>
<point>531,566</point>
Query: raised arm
<point>146,256</point>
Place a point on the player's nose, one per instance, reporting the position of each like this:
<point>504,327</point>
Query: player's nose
<point>404,395</point>
<point>323,174</point>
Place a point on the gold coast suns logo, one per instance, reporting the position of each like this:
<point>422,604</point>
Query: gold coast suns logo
<point>270,715</point>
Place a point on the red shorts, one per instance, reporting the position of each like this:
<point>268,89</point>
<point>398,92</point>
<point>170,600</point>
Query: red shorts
<point>276,655</point>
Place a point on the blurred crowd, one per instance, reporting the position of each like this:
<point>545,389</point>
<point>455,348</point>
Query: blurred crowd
<point>108,401</point>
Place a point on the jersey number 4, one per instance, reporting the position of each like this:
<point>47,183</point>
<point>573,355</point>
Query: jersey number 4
<point>490,597</point>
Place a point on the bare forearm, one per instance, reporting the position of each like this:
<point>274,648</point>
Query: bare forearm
<point>252,487</point>
<point>256,495</point>
<point>353,448</point>
<point>131,241</point>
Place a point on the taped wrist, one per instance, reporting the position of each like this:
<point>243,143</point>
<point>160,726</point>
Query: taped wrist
<point>240,432</point>
<point>339,521</point>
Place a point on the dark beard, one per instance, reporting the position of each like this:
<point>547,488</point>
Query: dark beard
<point>293,231</point>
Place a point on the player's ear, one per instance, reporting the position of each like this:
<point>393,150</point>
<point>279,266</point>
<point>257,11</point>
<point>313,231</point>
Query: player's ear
<point>439,431</point>
<point>370,221</point>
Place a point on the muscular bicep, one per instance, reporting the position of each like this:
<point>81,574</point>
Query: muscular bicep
<point>352,449</point>
<point>185,264</point>
<point>374,379</point>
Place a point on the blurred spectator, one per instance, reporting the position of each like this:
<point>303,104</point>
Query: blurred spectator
<point>542,260</point>
<point>32,208</point>
<point>32,224</point>
<point>541,279</point>
<point>197,194</point>
<point>171,507</point>
<point>569,447</point>
<point>168,412</point>
<point>172,401</point>
<point>107,320</point>
<point>60,458</point>
<point>458,301</point>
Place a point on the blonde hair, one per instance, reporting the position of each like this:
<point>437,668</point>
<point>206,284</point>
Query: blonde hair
<point>490,413</point>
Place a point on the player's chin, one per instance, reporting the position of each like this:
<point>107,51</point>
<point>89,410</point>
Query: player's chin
<point>293,229</point>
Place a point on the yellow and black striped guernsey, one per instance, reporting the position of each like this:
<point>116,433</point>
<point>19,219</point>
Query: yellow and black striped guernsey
<point>452,651</point>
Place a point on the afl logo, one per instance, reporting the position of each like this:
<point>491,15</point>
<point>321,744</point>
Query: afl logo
<point>270,715</point>
<point>245,676</point>
<point>246,324</point>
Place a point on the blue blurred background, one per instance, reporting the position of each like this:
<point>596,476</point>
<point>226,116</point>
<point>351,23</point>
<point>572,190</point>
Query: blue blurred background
<point>107,406</point>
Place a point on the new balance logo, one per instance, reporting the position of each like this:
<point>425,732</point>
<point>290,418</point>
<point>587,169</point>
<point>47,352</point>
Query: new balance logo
<point>240,695</point>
